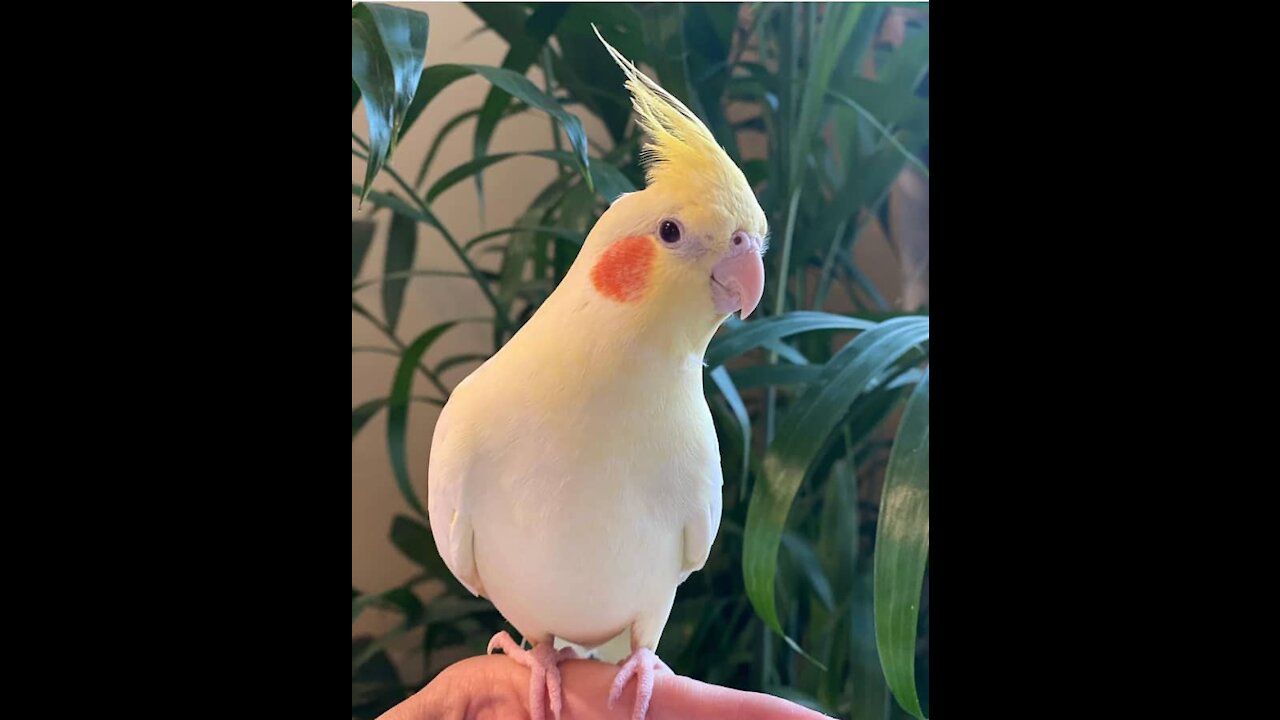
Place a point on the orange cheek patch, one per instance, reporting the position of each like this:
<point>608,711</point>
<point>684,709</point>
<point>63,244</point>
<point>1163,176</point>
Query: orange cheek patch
<point>622,272</point>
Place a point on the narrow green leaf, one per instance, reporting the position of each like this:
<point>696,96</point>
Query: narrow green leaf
<point>750,335</point>
<point>398,412</point>
<point>431,83</point>
<point>571,236</point>
<point>400,599</point>
<point>448,608</point>
<point>355,96</point>
<point>609,182</point>
<point>438,142</point>
<point>888,136</point>
<point>844,235</point>
<point>519,86</point>
<point>363,413</point>
<point>422,214</point>
<point>902,549</point>
<point>868,183</point>
<point>862,281</point>
<point>708,36</point>
<point>777,375</point>
<point>854,52</point>
<point>584,67</point>
<point>838,546</point>
<point>516,252</point>
<point>807,562</point>
<point>414,541</point>
<point>907,66</point>
<point>408,274</point>
<point>377,647</point>
<point>910,377</point>
<point>788,353</point>
<point>457,360</point>
<point>452,124</point>
<point>406,602</point>
<point>507,19</point>
<point>361,238</point>
<point>837,28</point>
<point>873,407</point>
<point>664,31</point>
<point>514,259</point>
<point>393,202</point>
<point>785,351</point>
<point>522,52</point>
<point>402,245</point>
<point>871,698</point>
<point>471,167</point>
<point>375,685</point>
<point>802,434</point>
<point>725,385</point>
<point>890,107</point>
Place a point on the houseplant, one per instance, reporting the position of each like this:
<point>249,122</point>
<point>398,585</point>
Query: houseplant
<point>813,590</point>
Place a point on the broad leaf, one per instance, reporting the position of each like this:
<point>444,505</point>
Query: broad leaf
<point>750,335</point>
<point>802,435</point>
<point>388,46</point>
<point>902,549</point>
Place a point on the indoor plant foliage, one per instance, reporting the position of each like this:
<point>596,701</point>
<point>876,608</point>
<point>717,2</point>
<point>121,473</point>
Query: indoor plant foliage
<point>813,589</point>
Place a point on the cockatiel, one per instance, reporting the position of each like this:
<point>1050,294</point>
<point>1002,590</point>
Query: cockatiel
<point>575,477</point>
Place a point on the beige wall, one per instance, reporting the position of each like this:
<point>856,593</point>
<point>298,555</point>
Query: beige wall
<point>510,186</point>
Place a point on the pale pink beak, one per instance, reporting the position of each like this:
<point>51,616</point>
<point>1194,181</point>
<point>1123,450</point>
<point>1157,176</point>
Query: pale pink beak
<point>737,281</point>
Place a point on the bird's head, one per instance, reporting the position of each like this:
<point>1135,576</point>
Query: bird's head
<point>686,251</point>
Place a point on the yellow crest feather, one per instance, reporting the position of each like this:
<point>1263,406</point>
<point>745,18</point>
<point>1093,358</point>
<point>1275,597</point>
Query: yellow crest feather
<point>680,152</point>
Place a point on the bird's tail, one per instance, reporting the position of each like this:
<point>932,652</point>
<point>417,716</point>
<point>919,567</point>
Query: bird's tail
<point>612,652</point>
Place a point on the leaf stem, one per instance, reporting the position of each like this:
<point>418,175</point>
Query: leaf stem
<point>453,244</point>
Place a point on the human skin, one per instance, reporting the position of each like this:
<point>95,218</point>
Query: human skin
<point>493,687</point>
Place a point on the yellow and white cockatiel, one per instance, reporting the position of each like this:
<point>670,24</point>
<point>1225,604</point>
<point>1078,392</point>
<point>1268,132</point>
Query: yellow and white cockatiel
<point>575,477</point>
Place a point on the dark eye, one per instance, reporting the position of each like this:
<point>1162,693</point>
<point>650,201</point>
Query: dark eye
<point>669,231</point>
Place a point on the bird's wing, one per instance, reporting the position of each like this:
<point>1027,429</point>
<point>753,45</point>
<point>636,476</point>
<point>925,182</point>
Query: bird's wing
<point>700,530</point>
<point>447,507</point>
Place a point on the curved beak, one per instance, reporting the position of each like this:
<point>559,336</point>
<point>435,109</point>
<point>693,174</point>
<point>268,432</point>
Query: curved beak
<point>737,281</point>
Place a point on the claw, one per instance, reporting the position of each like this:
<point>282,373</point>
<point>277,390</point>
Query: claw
<point>544,673</point>
<point>641,664</point>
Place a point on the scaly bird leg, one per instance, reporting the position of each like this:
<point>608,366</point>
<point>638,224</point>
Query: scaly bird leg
<point>643,665</point>
<point>544,672</point>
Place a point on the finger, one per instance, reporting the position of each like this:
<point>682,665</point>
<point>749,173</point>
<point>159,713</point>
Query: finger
<point>675,696</point>
<point>465,688</point>
<point>586,692</point>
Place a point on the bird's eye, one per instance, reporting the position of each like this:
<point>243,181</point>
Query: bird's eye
<point>669,231</point>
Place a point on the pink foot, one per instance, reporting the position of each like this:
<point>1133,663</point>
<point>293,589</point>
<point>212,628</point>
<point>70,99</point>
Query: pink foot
<point>642,664</point>
<point>544,673</point>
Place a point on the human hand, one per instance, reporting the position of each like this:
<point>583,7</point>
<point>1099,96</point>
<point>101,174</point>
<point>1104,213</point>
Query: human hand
<point>493,687</point>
